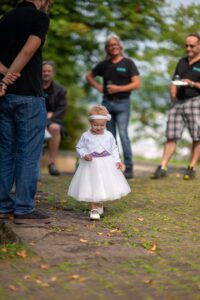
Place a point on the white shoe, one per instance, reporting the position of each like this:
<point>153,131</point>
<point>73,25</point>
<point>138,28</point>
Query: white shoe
<point>94,214</point>
<point>100,210</point>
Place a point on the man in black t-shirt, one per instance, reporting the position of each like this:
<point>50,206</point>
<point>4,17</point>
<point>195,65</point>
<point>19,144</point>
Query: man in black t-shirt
<point>56,104</point>
<point>120,77</point>
<point>22,108</point>
<point>185,110</point>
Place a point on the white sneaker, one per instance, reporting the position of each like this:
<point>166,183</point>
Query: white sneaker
<point>94,214</point>
<point>100,210</point>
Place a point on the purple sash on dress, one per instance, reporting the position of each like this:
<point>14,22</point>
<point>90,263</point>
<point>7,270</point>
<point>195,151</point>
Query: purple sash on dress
<point>100,154</point>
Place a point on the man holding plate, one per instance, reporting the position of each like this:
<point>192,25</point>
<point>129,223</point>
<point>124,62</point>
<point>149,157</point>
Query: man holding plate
<point>185,109</point>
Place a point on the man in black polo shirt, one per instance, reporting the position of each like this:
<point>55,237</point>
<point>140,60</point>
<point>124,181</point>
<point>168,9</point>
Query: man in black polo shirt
<point>120,77</point>
<point>185,110</point>
<point>22,108</point>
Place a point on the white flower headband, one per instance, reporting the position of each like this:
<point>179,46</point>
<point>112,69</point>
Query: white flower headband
<point>100,117</point>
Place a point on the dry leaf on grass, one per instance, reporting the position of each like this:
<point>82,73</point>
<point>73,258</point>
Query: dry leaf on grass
<point>41,283</point>
<point>4,250</point>
<point>98,253</point>
<point>109,234</point>
<point>115,230</point>
<point>22,253</point>
<point>148,281</point>
<point>53,279</point>
<point>77,277</point>
<point>99,233</point>
<point>141,219</point>
<point>45,266</point>
<point>31,243</point>
<point>12,287</point>
<point>153,248</point>
<point>38,281</point>
<point>83,241</point>
<point>45,284</point>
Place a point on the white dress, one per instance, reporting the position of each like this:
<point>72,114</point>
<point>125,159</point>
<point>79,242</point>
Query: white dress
<point>98,180</point>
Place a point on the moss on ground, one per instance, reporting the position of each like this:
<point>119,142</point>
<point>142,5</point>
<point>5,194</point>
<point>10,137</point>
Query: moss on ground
<point>158,223</point>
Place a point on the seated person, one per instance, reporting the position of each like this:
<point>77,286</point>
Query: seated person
<point>56,104</point>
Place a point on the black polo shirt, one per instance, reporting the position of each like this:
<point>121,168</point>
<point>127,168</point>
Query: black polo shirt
<point>116,73</point>
<point>187,71</point>
<point>15,28</point>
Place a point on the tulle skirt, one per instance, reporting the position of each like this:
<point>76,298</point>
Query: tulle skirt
<point>98,180</point>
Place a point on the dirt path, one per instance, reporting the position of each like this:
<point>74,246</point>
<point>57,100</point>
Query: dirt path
<point>146,246</point>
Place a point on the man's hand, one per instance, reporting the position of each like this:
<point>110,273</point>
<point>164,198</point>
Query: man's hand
<point>3,88</point>
<point>49,115</point>
<point>10,78</point>
<point>88,157</point>
<point>113,88</point>
<point>190,82</point>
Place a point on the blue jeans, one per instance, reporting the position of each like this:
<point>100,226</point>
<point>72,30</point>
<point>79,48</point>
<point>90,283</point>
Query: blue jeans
<point>22,124</point>
<point>120,112</point>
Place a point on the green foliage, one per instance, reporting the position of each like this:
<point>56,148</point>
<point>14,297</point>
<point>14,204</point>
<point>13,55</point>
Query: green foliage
<point>150,31</point>
<point>13,250</point>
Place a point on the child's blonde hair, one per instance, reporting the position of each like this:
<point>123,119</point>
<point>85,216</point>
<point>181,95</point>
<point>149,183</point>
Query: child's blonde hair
<point>99,112</point>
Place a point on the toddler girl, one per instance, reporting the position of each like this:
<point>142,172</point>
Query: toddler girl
<point>99,176</point>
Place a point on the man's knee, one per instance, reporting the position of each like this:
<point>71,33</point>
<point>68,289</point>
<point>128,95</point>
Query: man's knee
<point>54,128</point>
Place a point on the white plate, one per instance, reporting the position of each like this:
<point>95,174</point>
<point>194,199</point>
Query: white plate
<point>179,82</point>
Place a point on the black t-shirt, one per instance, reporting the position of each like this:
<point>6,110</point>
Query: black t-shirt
<point>187,71</point>
<point>15,28</point>
<point>116,73</point>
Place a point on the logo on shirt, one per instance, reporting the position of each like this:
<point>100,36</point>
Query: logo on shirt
<point>120,69</point>
<point>196,69</point>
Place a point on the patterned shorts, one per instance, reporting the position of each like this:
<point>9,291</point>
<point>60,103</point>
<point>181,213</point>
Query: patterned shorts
<point>184,114</point>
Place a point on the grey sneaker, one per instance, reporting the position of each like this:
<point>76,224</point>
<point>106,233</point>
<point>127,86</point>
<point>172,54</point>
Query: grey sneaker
<point>189,173</point>
<point>159,173</point>
<point>32,218</point>
<point>53,170</point>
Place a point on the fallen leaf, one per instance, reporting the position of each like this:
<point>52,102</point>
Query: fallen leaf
<point>148,281</point>
<point>4,250</point>
<point>12,287</point>
<point>53,279</point>
<point>82,279</point>
<point>99,233</point>
<point>75,276</point>
<point>154,247</point>
<point>45,284</point>
<point>141,219</point>
<point>39,281</point>
<point>109,234</point>
<point>83,241</point>
<point>22,253</point>
<point>114,230</point>
<point>26,277</point>
<point>79,278</point>
<point>45,266</point>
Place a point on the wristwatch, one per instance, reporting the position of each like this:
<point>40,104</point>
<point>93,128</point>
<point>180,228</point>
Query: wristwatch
<point>192,84</point>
